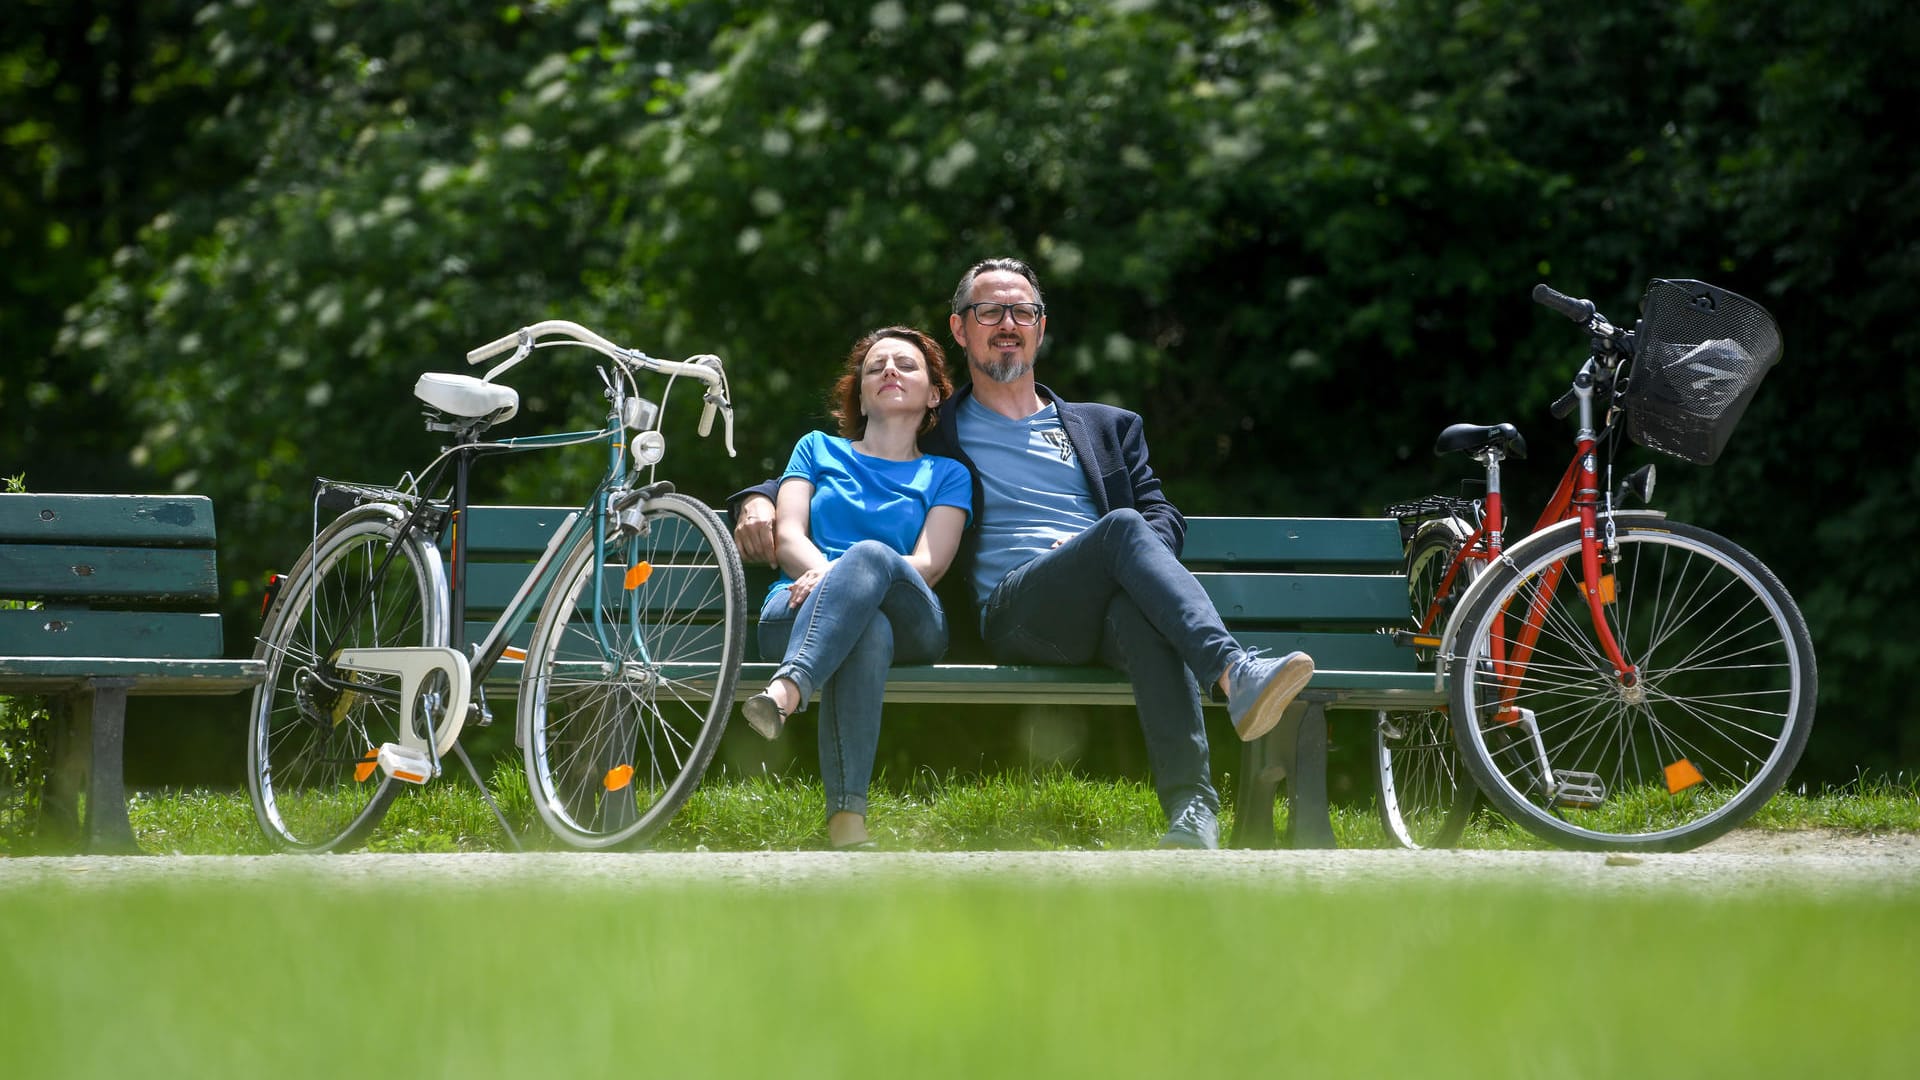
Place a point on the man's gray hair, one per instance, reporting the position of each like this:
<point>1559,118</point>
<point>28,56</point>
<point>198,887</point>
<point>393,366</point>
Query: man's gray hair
<point>964,293</point>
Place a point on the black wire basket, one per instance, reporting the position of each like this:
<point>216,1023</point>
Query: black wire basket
<point>1699,356</point>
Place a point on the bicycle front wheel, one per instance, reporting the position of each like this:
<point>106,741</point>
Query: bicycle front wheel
<point>1704,730</point>
<point>630,675</point>
<point>1426,796</point>
<point>311,736</point>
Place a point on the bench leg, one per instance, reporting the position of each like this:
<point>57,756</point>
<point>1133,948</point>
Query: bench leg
<point>108,830</point>
<point>58,829</point>
<point>1309,823</point>
<point>1265,761</point>
<point>1253,797</point>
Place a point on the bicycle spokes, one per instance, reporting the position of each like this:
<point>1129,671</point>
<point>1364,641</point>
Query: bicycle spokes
<point>1715,696</point>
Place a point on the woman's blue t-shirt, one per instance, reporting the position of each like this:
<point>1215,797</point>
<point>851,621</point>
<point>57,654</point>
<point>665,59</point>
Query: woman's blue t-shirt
<point>857,497</point>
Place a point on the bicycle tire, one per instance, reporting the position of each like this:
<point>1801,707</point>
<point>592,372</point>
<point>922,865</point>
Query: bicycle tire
<point>1426,797</point>
<point>1709,730</point>
<point>312,782</point>
<point>611,749</point>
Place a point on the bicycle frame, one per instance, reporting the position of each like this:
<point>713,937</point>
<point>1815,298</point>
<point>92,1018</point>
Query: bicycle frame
<point>428,516</point>
<point>1578,496</point>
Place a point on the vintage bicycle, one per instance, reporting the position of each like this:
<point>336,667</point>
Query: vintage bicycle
<point>1615,679</point>
<point>638,615</point>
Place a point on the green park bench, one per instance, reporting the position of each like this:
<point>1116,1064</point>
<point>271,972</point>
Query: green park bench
<point>1326,585</point>
<point>119,588</point>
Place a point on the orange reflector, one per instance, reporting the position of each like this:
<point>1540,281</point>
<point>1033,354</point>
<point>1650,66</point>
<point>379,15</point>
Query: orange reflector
<point>512,653</point>
<point>637,575</point>
<point>1429,642</point>
<point>617,777</point>
<point>365,768</point>
<point>1606,588</point>
<point>1681,775</point>
<point>410,777</point>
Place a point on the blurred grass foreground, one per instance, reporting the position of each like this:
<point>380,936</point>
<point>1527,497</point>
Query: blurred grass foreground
<point>1160,976</point>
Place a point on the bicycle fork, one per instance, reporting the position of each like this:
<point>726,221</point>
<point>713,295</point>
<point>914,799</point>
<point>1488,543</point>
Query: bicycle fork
<point>1579,488</point>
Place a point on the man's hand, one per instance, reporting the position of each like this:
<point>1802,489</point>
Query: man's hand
<point>753,530</point>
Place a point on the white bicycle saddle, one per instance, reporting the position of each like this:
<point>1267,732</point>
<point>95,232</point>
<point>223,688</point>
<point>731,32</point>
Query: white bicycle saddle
<point>464,395</point>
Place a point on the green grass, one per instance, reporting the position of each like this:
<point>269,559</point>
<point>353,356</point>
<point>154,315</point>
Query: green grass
<point>953,977</point>
<point>1018,809</point>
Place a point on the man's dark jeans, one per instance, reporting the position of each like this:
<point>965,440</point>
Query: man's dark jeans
<point>1115,594</point>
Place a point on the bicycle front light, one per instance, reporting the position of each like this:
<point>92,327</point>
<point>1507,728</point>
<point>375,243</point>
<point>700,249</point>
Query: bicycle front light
<point>648,448</point>
<point>1639,484</point>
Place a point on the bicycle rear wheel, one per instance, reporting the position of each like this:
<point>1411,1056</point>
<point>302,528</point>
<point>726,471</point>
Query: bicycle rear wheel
<point>1426,796</point>
<point>1705,732</point>
<point>311,741</point>
<point>630,675</point>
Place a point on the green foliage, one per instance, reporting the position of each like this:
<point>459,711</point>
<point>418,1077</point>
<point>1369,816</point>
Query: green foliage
<point>1297,238</point>
<point>25,754</point>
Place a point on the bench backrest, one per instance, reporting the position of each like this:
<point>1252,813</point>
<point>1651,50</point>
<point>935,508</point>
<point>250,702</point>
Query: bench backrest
<point>1327,585</point>
<point>114,575</point>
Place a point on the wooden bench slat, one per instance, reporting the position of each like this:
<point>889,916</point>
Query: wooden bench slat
<point>525,530</point>
<point>84,632</point>
<point>1380,599</point>
<point>67,572</point>
<point>520,530</point>
<point>37,675</point>
<point>1294,541</point>
<point>491,585</point>
<point>1345,652</point>
<point>125,520</point>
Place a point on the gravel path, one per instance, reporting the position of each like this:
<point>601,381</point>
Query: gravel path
<point>1808,861</point>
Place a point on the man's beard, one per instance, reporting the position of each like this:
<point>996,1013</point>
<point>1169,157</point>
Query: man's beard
<point>1004,370</point>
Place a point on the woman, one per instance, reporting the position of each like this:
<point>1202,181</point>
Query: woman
<point>867,525</point>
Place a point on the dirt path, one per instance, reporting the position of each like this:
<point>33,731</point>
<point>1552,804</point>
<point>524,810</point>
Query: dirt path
<point>1746,860</point>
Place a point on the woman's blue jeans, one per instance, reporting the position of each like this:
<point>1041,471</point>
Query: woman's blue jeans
<point>869,610</point>
<point>1115,594</point>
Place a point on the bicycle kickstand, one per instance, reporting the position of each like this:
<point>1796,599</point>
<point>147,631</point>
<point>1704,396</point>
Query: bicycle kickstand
<point>498,815</point>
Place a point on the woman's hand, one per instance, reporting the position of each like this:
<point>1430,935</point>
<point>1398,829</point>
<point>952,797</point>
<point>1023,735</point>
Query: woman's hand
<point>803,585</point>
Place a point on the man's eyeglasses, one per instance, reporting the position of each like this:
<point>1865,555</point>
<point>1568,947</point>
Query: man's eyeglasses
<point>987,314</point>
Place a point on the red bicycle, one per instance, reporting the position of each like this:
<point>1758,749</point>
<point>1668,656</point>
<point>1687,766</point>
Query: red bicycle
<point>1616,679</point>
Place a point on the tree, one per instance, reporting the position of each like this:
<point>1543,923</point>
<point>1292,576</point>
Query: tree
<point>1298,239</point>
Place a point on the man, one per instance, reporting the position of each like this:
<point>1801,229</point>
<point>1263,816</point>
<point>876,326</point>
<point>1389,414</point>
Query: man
<point>1075,554</point>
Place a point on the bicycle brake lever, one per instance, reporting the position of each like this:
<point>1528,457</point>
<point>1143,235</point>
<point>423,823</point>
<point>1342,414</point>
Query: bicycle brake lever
<point>726,414</point>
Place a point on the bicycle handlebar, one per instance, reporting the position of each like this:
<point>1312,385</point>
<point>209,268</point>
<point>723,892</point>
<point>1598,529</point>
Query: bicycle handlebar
<point>707,368</point>
<point>1580,311</point>
<point>493,348</point>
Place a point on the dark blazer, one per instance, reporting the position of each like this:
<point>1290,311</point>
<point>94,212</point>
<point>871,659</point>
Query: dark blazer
<point>1112,451</point>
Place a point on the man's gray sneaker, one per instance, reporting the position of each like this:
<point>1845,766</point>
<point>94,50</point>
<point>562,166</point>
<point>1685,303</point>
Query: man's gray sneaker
<point>1193,826</point>
<point>1260,688</point>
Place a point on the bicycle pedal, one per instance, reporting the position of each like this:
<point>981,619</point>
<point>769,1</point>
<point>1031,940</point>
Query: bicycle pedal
<point>1578,790</point>
<point>405,763</point>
